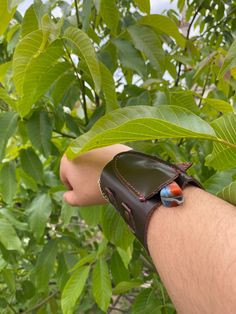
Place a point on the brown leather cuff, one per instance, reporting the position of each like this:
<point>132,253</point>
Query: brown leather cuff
<point>132,181</point>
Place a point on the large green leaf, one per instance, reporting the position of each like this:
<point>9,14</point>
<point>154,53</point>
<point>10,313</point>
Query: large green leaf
<point>141,123</point>
<point>39,128</point>
<point>147,41</point>
<point>163,24</point>
<point>229,193</point>
<point>39,212</point>
<point>31,164</point>
<point>110,14</point>
<point>143,5</point>
<point>35,82</point>
<point>81,45</point>
<point>73,289</point>
<point>45,266</point>
<point>8,126</point>
<point>26,50</point>
<point>8,236</point>
<point>224,157</point>
<point>130,57</point>
<point>108,87</point>
<point>8,182</point>
<point>101,285</point>
<point>5,15</point>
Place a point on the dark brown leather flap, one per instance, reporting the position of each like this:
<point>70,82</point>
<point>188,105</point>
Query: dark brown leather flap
<point>135,171</point>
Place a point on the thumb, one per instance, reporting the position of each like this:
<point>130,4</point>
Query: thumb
<point>71,198</point>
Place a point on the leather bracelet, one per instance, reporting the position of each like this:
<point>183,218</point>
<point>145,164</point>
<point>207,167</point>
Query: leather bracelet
<point>133,181</point>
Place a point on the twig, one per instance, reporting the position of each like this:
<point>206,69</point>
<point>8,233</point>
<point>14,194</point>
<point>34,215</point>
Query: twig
<point>185,49</point>
<point>40,304</point>
<point>81,82</point>
<point>114,304</point>
<point>205,85</point>
<point>64,134</point>
<point>77,12</point>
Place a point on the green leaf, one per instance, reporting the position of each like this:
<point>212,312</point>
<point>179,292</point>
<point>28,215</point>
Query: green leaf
<point>8,236</point>
<point>30,22</point>
<point>88,259</point>
<point>218,105</point>
<point>230,61</point>
<point>115,229</point>
<point>26,50</point>
<point>108,87</point>
<point>143,5</point>
<point>9,278</point>
<point>35,82</point>
<point>223,178</point>
<point>62,85</point>
<point>8,126</point>
<point>67,212</point>
<point>73,289</point>
<point>126,286</point>
<point>45,266</point>
<point>7,99</point>
<point>101,285</point>
<point>147,41</point>
<point>229,193</point>
<point>81,45</point>
<point>31,164</point>
<point>146,302</point>
<point>141,123</point>
<point>129,56</point>
<point>92,214</point>
<point>8,182</point>
<point>4,67</point>
<point>118,270</point>
<point>14,222</point>
<point>39,213</point>
<point>39,128</point>
<point>184,99</point>
<point>110,14</point>
<point>224,157</point>
<point>163,24</point>
<point>5,15</point>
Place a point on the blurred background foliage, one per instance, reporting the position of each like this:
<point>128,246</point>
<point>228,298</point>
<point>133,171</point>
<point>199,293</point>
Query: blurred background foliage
<point>72,74</point>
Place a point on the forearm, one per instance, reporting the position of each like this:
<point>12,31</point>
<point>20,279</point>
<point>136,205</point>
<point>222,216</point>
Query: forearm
<point>194,250</point>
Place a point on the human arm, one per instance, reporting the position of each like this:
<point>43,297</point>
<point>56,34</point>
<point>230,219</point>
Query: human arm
<point>192,246</point>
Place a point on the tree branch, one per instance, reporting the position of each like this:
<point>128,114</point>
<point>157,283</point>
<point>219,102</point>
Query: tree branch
<point>185,49</point>
<point>40,304</point>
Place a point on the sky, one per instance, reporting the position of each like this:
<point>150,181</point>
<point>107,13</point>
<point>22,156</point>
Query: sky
<point>157,6</point>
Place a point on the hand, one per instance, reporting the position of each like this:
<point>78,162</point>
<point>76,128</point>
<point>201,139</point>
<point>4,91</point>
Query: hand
<point>81,175</point>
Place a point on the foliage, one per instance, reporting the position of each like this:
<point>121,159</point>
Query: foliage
<point>88,74</point>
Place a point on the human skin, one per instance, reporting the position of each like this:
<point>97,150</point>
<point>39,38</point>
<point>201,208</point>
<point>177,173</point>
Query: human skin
<point>193,246</point>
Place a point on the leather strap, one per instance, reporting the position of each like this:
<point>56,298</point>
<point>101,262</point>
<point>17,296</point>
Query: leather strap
<point>132,182</point>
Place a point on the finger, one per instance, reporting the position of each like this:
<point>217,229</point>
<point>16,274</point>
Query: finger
<point>71,198</point>
<point>63,176</point>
